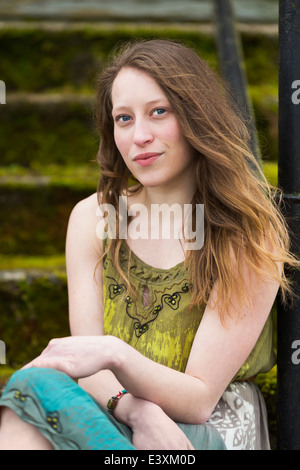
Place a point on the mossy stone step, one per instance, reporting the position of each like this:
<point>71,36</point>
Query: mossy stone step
<point>35,206</point>
<point>34,219</point>
<point>48,129</point>
<point>70,57</point>
<point>83,176</point>
<point>34,309</point>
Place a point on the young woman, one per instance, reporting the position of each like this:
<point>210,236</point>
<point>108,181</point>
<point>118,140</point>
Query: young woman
<point>174,331</point>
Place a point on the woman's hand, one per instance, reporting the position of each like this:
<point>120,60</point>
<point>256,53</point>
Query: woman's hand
<point>77,356</point>
<point>154,430</point>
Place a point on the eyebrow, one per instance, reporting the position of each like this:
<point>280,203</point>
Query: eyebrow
<point>152,102</point>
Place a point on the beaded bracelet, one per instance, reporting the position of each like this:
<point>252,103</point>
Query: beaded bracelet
<point>112,402</point>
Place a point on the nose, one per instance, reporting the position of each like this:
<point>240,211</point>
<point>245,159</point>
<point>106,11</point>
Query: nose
<point>142,133</point>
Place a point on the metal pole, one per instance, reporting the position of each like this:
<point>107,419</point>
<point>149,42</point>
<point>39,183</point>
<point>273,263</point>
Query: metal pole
<point>232,65</point>
<point>288,336</point>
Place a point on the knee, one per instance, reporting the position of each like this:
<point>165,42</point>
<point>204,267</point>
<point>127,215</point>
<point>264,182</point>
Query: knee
<point>16,434</point>
<point>7,417</point>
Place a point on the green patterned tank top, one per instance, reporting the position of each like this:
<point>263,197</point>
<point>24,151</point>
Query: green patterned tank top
<point>164,329</point>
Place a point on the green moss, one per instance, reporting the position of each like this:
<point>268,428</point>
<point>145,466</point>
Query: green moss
<point>70,59</point>
<point>80,177</point>
<point>41,134</point>
<point>34,309</point>
<point>5,374</point>
<point>25,262</point>
<point>261,58</point>
<point>34,220</point>
<point>270,170</point>
<point>265,103</point>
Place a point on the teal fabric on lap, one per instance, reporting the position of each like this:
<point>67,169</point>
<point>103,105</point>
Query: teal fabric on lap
<point>62,411</point>
<point>71,419</point>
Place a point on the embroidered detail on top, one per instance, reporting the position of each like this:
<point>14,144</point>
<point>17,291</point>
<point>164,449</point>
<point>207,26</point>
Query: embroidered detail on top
<point>115,288</point>
<point>140,327</point>
<point>142,318</point>
<point>171,300</point>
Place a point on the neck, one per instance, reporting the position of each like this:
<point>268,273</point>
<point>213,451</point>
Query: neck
<point>181,192</point>
<point>170,204</point>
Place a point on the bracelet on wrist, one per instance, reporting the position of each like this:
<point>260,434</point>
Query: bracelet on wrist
<point>113,401</point>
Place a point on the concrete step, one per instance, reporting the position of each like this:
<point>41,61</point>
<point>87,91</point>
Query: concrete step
<point>190,10</point>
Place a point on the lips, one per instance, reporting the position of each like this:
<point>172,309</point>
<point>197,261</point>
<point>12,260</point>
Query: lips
<point>145,159</point>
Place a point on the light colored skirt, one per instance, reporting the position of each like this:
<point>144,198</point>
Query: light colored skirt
<point>241,417</point>
<point>72,420</point>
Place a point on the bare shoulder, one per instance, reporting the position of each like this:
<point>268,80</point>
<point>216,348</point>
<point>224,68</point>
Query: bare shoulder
<point>86,212</point>
<point>83,222</point>
<point>86,207</point>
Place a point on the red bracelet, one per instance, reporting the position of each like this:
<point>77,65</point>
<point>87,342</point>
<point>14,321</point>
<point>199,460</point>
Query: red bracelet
<point>112,402</point>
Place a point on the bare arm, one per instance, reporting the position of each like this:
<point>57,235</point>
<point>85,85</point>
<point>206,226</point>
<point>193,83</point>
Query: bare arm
<point>83,252</point>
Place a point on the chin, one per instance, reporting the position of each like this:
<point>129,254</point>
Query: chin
<point>150,183</point>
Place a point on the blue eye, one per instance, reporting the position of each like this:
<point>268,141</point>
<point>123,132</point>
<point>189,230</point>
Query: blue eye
<point>159,111</point>
<point>123,118</point>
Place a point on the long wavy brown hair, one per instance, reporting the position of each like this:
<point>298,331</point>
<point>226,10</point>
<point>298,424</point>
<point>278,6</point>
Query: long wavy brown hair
<point>243,226</point>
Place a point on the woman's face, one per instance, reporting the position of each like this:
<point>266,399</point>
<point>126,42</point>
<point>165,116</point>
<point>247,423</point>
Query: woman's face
<point>146,131</point>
